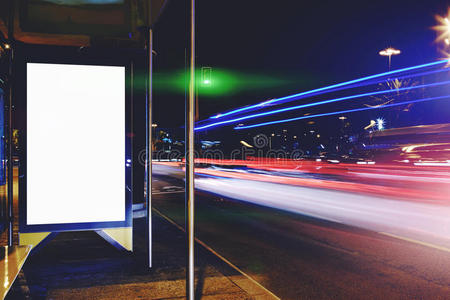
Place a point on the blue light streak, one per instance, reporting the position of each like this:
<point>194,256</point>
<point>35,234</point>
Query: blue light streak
<point>341,112</point>
<point>319,103</point>
<point>397,78</point>
<point>419,74</point>
<point>328,88</point>
<point>371,82</point>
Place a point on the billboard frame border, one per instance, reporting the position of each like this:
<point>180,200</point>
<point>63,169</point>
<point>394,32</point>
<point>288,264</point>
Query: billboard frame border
<point>72,56</point>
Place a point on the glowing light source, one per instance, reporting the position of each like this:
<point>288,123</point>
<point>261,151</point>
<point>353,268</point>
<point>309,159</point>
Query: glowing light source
<point>380,123</point>
<point>342,112</point>
<point>206,75</point>
<point>389,52</point>
<point>246,144</point>
<point>443,27</point>
<point>84,86</point>
<point>411,148</point>
<point>7,46</point>
<point>432,164</point>
<point>372,122</point>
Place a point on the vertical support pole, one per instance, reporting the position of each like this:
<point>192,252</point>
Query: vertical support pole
<point>197,108</point>
<point>10,153</point>
<point>10,126</point>
<point>148,159</point>
<point>189,157</point>
<point>3,197</point>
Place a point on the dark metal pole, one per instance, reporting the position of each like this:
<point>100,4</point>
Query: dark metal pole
<point>189,157</point>
<point>10,125</point>
<point>197,109</point>
<point>148,165</point>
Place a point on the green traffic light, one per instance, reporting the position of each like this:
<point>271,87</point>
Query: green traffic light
<point>221,82</point>
<point>206,75</point>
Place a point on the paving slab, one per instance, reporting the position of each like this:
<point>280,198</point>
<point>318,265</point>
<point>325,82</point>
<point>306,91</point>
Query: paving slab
<point>81,265</point>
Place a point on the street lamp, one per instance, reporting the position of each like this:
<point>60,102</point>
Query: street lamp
<point>443,29</point>
<point>380,124</point>
<point>372,124</point>
<point>389,52</point>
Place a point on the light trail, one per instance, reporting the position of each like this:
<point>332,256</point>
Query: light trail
<point>372,82</point>
<point>427,184</point>
<point>419,199</point>
<point>319,103</point>
<point>328,88</point>
<point>341,112</point>
<point>424,222</point>
<point>417,75</point>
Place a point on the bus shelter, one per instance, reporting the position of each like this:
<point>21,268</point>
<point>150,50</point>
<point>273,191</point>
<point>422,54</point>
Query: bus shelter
<point>69,92</point>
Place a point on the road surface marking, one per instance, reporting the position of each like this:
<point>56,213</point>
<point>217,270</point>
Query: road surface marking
<point>217,254</point>
<point>416,242</point>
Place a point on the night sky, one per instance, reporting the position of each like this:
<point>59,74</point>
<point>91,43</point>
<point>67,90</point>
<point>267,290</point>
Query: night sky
<point>296,45</point>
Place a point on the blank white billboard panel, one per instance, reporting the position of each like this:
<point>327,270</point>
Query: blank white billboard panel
<point>75,143</point>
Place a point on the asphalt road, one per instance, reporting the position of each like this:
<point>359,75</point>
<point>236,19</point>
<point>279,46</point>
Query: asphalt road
<point>296,256</point>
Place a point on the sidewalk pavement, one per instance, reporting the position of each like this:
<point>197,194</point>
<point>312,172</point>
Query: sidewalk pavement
<point>81,265</point>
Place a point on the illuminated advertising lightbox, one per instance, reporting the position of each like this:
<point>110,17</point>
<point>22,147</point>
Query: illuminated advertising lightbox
<point>75,145</point>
